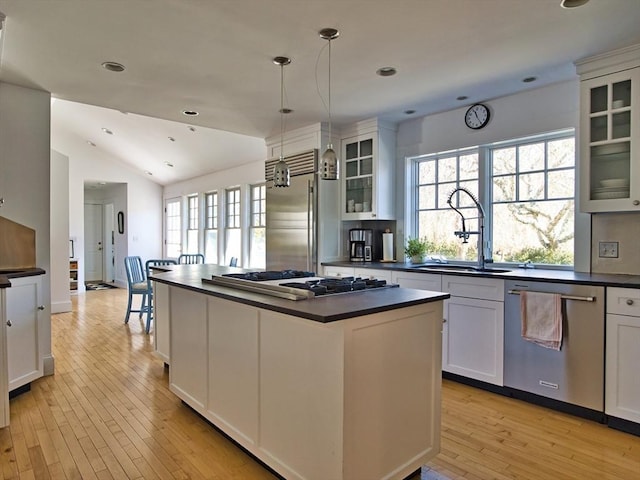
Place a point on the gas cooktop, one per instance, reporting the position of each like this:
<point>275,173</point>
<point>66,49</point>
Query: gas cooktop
<point>330,286</point>
<point>271,275</point>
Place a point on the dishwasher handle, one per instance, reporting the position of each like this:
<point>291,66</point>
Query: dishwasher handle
<point>564,297</point>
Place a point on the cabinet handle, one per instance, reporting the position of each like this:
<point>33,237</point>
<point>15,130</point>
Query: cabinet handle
<point>41,307</point>
<point>8,323</point>
<point>636,202</point>
<point>629,301</point>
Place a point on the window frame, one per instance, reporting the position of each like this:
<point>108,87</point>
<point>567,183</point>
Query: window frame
<point>485,185</point>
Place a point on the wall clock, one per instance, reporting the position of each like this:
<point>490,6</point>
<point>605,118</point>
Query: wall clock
<point>477,116</point>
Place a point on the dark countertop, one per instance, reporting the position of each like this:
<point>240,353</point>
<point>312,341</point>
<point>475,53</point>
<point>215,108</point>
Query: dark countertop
<point>526,274</point>
<point>320,309</point>
<point>7,274</point>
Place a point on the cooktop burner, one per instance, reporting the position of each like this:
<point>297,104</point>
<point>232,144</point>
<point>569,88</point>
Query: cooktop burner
<point>329,286</point>
<point>271,275</point>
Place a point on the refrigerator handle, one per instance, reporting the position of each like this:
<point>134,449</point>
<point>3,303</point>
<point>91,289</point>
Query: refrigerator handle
<point>309,225</point>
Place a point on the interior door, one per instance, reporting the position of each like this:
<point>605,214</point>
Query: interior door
<point>93,243</point>
<point>172,228</point>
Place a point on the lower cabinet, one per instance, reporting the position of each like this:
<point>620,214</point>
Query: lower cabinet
<point>473,332</point>
<point>419,281</point>
<point>622,385</point>
<point>161,320</point>
<point>24,323</point>
<point>4,388</point>
<point>331,271</point>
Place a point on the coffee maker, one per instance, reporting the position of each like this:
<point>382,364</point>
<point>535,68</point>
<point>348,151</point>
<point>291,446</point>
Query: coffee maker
<point>360,244</point>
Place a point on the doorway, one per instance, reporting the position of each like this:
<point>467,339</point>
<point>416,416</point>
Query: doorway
<point>93,243</point>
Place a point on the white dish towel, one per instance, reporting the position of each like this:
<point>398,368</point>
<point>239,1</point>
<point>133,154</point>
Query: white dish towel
<point>541,315</point>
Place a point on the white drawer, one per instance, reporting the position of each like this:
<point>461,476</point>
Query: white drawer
<point>331,271</point>
<point>474,287</point>
<point>420,281</point>
<point>623,301</point>
<point>373,273</point>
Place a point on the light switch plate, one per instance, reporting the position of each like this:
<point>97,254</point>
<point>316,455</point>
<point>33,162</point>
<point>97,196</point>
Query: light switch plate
<point>608,249</point>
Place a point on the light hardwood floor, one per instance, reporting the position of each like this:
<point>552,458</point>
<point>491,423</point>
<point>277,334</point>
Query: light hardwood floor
<point>108,413</point>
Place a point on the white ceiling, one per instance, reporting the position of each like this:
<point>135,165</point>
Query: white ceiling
<point>215,57</point>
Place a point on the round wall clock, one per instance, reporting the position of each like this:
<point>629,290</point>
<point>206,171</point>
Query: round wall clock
<point>477,116</point>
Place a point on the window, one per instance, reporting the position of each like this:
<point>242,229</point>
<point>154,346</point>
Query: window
<point>233,232</point>
<point>173,228</point>
<point>192,224</point>
<point>257,252</point>
<point>526,187</point>
<point>211,227</point>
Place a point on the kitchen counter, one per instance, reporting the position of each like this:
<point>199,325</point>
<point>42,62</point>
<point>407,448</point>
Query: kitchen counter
<point>320,309</point>
<point>7,275</point>
<point>515,273</point>
<point>340,387</point>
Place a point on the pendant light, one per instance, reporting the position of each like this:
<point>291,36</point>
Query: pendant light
<point>329,163</point>
<point>281,174</point>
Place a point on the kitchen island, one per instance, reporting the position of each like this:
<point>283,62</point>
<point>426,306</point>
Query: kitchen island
<point>338,387</point>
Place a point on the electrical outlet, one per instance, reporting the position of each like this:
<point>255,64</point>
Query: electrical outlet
<point>608,249</point>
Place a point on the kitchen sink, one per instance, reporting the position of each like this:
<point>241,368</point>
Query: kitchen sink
<point>461,268</point>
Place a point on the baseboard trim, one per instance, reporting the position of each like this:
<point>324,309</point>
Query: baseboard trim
<point>48,365</point>
<point>61,307</point>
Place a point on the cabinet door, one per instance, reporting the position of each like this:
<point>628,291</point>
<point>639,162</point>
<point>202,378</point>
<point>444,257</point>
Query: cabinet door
<point>188,347</point>
<point>359,155</point>
<point>4,389</point>
<point>609,131</point>
<point>473,337</point>
<point>373,273</point>
<point>233,368</point>
<point>161,314</point>
<point>622,386</point>
<point>24,356</point>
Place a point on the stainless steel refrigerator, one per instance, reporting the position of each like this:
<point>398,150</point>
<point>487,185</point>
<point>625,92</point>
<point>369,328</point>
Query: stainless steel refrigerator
<point>291,224</point>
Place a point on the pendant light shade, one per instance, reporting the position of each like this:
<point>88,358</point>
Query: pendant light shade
<point>329,163</point>
<point>281,173</point>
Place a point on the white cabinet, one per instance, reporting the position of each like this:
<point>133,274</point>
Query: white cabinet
<point>4,383</point>
<point>368,171</point>
<point>373,273</point>
<point>622,385</point>
<point>332,271</point>
<point>24,312</point>
<point>473,332</point>
<point>188,346</point>
<point>161,320</point>
<point>419,281</point>
<point>610,131</point>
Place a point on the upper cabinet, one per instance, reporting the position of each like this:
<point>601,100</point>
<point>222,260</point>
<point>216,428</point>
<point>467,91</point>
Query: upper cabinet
<point>610,131</point>
<point>368,171</point>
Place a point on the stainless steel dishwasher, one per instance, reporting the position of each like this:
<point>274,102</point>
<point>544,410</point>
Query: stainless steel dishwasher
<point>575,374</point>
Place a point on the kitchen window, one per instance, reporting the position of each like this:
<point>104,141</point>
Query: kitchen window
<point>192,224</point>
<point>173,228</point>
<point>526,187</point>
<point>257,241</point>
<point>211,227</point>
<point>233,230</point>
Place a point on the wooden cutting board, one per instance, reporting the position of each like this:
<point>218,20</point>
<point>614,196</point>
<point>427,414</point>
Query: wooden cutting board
<point>17,245</point>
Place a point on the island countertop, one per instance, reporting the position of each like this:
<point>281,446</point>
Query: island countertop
<point>320,309</point>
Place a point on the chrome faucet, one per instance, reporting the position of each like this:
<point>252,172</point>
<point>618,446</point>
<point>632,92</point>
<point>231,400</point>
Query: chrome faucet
<point>464,233</point>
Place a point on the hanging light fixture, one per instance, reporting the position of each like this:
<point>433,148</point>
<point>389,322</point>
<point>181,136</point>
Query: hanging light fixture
<point>281,174</point>
<point>329,161</point>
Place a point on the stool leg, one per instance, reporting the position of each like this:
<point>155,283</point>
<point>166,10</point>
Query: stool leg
<point>144,301</point>
<point>126,318</point>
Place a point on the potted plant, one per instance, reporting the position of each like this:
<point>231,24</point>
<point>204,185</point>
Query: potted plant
<point>416,249</point>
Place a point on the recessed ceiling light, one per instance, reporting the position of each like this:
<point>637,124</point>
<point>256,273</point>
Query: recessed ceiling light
<point>386,71</point>
<point>572,3</point>
<point>168,164</point>
<point>529,79</point>
<point>409,112</point>
<point>462,97</point>
<point>171,139</point>
<point>113,66</point>
<point>91,143</point>
<point>190,113</point>
<point>191,129</point>
<point>107,131</point>
<point>148,172</point>
<point>102,183</point>
<point>285,110</point>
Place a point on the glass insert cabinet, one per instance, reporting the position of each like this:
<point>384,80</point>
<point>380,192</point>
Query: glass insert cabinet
<point>609,133</point>
<point>368,154</point>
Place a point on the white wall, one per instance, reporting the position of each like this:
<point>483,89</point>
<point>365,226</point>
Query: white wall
<point>60,295</point>
<point>24,180</point>
<point>532,112</point>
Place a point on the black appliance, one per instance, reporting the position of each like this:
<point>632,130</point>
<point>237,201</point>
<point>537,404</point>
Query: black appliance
<point>360,245</point>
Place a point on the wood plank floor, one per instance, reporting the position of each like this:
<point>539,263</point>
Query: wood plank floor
<point>108,413</point>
